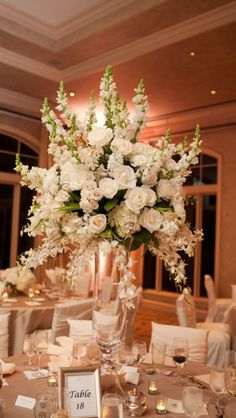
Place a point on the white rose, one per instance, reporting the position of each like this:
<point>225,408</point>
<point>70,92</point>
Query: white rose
<point>139,160</point>
<point>74,175</point>
<point>125,177</point>
<point>151,196</point>
<point>135,199</point>
<point>97,223</point>
<point>166,189</point>
<point>180,210</point>
<point>100,136</point>
<point>108,187</point>
<point>151,219</point>
<point>122,145</point>
<point>150,180</point>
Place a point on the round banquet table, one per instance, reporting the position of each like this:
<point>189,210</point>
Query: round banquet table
<point>18,384</point>
<point>25,319</point>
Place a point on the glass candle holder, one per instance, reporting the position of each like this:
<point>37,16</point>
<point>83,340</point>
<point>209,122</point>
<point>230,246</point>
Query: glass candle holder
<point>135,403</point>
<point>161,405</point>
<point>152,387</point>
<point>52,380</point>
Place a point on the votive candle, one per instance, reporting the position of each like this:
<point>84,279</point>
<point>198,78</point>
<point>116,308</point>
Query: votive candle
<point>52,380</point>
<point>161,406</point>
<point>152,388</point>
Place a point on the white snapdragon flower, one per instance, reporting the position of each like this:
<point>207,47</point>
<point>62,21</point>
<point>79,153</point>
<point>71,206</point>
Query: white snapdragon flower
<point>74,175</point>
<point>122,146</point>
<point>51,181</point>
<point>135,199</point>
<point>166,189</point>
<point>151,196</point>
<point>151,219</point>
<point>125,177</point>
<point>108,187</point>
<point>100,136</point>
<point>97,223</point>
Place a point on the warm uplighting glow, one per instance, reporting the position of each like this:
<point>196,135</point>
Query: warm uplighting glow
<point>213,92</point>
<point>192,53</point>
<point>72,94</point>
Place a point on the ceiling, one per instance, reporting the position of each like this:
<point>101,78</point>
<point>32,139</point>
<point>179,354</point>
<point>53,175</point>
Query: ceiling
<point>52,40</point>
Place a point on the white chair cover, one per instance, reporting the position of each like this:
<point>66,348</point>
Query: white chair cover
<point>80,329</point>
<point>218,337</point>
<point>216,306</point>
<point>4,334</point>
<point>73,310</point>
<point>197,340</point>
<point>232,327</point>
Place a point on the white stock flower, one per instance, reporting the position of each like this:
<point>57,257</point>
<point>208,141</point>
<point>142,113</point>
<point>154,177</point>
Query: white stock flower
<point>108,187</point>
<point>135,199</point>
<point>151,219</point>
<point>151,196</point>
<point>74,175</point>
<point>97,223</point>
<point>125,177</point>
<point>166,189</point>
<point>121,145</point>
<point>139,160</point>
<point>100,136</point>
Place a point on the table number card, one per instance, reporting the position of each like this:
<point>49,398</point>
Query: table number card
<point>80,391</point>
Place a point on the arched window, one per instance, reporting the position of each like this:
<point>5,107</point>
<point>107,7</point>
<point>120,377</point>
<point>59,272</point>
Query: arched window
<point>14,200</point>
<point>203,212</point>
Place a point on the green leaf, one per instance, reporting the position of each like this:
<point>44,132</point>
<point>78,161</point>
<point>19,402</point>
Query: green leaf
<point>71,207</point>
<point>74,196</point>
<point>110,204</point>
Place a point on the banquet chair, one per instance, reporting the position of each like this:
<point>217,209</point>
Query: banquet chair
<point>218,334</point>
<point>230,319</point>
<point>216,306</point>
<point>80,329</point>
<point>197,341</point>
<point>4,334</point>
<point>75,309</point>
<point>131,316</point>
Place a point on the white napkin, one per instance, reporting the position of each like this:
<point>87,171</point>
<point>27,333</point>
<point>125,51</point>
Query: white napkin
<point>132,374</point>
<point>12,300</point>
<point>176,406</point>
<point>33,303</point>
<point>56,350</point>
<point>7,368</point>
<point>65,342</point>
<point>32,375</point>
<point>59,361</point>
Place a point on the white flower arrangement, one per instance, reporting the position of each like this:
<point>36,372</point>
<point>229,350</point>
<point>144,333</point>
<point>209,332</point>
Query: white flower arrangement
<point>105,189</point>
<point>17,280</point>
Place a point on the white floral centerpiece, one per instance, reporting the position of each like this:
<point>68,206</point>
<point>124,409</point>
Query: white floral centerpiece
<point>106,189</point>
<point>16,280</point>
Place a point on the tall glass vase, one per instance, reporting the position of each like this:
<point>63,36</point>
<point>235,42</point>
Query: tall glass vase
<point>109,314</point>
